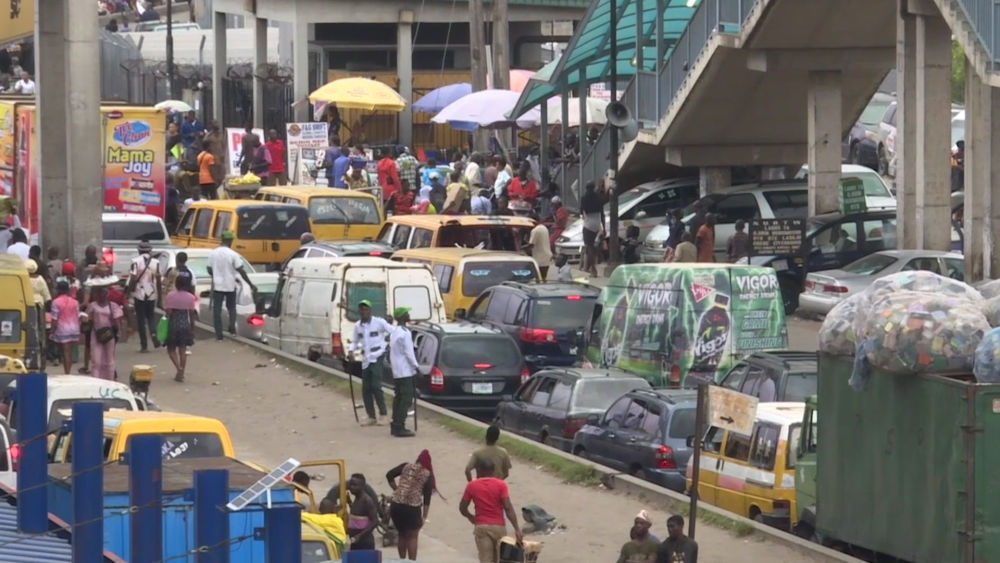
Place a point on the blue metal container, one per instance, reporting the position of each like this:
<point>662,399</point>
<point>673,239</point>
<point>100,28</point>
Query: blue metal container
<point>178,507</point>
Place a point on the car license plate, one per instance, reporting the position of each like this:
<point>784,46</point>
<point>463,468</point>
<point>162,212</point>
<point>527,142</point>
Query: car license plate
<point>482,388</point>
<point>779,265</point>
<point>572,350</point>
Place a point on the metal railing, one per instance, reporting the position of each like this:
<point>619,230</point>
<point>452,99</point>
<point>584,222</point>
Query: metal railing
<point>649,95</point>
<point>984,18</point>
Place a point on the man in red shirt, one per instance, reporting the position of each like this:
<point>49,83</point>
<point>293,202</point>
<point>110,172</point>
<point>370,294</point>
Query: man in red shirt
<point>402,201</point>
<point>388,175</point>
<point>492,500</point>
<point>523,187</point>
<point>279,170</point>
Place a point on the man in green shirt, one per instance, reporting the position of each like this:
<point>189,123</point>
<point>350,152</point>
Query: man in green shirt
<point>642,548</point>
<point>497,455</point>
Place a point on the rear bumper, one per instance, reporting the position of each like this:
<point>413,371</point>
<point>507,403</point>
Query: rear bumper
<point>673,479</point>
<point>536,362</point>
<point>780,520</point>
<point>473,404</point>
<point>572,250</point>
<point>810,302</point>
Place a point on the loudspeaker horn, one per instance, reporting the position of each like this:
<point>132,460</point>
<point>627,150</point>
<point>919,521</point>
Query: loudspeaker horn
<point>619,116</point>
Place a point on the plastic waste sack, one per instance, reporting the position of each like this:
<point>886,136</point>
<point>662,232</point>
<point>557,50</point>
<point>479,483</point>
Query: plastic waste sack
<point>920,281</point>
<point>837,335</point>
<point>992,311</point>
<point>987,367</point>
<point>990,289</point>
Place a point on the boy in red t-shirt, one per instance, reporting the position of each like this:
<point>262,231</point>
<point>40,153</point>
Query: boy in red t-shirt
<point>492,499</point>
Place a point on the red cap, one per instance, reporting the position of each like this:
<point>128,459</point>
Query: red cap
<point>69,269</point>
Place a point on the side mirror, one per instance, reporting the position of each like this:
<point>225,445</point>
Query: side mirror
<point>461,313</point>
<point>689,441</point>
<point>641,215</point>
<point>593,419</point>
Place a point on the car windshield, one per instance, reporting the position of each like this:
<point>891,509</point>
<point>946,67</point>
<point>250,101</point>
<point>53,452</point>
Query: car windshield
<point>467,350</point>
<point>562,312</point>
<point>707,202</point>
<point>800,386</point>
<point>478,276</point>
<point>272,223</point>
<point>626,198</point>
<point>682,423</point>
<point>343,210</point>
<point>199,266</point>
<point>600,393</point>
<point>873,112</point>
<point>874,186</point>
<point>871,264</point>
<point>62,409</point>
<point>190,445</point>
<point>133,230</point>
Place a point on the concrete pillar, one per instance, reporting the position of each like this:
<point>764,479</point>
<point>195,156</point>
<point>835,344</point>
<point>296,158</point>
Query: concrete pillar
<point>51,126</point>
<point>83,112</point>
<point>219,64</point>
<point>285,32</point>
<point>978,168</point>
<point>300,68</point>
<point>989,120</point>
<point>404,69</point>
<point>906,131</point>
<point>824,107</point>
<point>933,119</point>
<point>259,60</point>
<point>712,179</point>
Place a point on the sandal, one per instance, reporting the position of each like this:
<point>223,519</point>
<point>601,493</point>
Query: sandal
<point>84,371</point>
<point>179,377</point>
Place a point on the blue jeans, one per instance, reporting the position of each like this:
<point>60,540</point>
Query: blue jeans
<point>217,297</point>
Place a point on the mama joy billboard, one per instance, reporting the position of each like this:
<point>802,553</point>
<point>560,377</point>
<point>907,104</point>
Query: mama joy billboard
<point>134,160</point>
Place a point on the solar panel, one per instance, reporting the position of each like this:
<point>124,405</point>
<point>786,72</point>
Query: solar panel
<point>264,484</point>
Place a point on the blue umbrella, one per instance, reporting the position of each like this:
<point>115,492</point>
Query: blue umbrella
<point>439,98</point>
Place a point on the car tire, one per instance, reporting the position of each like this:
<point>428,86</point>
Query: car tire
<point>582,452</point>
<point>789,294</point>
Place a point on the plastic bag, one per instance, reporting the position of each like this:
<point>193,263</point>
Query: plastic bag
<point>918,281</point>
<point>987,368</point>
<point>837,335</point>
<point>914,332</point>
<point>990,289</point>
<point>992,311</point>
<point>163,329</point>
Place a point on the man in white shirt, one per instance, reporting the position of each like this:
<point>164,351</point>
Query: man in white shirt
<point>145,287</point>
<point>538,242</point>
<point>224,264</point>
<point>19,243</point>
<point>371,336</point>
<point>7,230</point>
<point>25,85</point>
<point>404,366</point>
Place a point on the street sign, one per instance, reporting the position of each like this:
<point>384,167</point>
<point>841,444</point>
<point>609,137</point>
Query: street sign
<point>731,410</point>
<point>852,196</point>
<point>776,237</point>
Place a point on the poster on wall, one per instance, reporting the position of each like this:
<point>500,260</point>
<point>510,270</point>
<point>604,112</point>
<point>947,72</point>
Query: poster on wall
<point>26,171</point>
<point>307,143</point>
<point>234,143</point>
<point>134,160</point>
<point>7,148</point>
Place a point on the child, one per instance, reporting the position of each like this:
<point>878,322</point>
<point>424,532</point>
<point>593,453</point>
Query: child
<point>65,322</point>
<point>565,273</point>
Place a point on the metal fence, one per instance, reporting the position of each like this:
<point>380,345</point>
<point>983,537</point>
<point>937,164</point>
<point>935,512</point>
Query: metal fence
<point>984,18</point>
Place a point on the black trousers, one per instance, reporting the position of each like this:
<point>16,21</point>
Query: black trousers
<point>145,317</point>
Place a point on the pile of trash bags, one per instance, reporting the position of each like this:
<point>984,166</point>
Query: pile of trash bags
<point>987,366</point>
<point>909,322</point>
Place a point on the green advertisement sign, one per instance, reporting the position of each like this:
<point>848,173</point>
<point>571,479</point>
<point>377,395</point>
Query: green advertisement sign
<point>852,196</point>
<point>681,325</point>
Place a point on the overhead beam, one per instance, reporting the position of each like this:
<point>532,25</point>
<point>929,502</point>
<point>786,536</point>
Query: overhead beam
<point>736,155</point>
<point>849,59</point>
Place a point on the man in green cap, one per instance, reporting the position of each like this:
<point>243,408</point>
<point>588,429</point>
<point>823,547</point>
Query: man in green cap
<point>404,367</point>
<point>224,264</point>
<point>371,336</point>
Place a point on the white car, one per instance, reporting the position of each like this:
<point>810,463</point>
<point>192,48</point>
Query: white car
<point>250,308</point>
<point>122,233</point>
<point>643,206</point>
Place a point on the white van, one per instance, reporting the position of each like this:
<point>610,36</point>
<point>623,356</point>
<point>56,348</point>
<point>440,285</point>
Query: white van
<point>64,390</point>
<point>315,307</point>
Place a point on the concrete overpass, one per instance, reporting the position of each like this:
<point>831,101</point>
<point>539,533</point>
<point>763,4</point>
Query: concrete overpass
<point>780,82</point>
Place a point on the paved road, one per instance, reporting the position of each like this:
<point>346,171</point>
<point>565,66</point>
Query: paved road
<point>275,412</point>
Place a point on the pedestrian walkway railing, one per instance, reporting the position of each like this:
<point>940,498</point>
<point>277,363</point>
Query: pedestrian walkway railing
<point>649,95</point>
<point>984,18</point>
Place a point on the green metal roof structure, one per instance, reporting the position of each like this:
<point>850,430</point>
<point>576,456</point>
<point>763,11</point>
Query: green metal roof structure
<point>587,59</point>
<point>545,3</point>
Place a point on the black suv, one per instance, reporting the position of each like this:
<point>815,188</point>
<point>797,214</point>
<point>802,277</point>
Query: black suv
<point>547,319</point>
<point>465,367</point>
<point>644,433</point>
<point>774,376</point>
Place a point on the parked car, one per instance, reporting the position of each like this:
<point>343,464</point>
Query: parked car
<point>825,289</point>
<point>547,319</point>
<point>832,241</point>
<point>250,308</point>
<point>644,433</point>
<point>774,376</point>
<point>643,206</point>
<point>887,136</point>
<point>197,263</point>
<point>861,144</point>
<point>341,249</point>
<point>555,403</point>
<point>62,391</point>
<point>466,367</point>
<point>10,455</point>
<point>122,233</point>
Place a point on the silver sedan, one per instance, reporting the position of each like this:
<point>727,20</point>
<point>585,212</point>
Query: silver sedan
<point>825,289</point>
<point>249,320</point>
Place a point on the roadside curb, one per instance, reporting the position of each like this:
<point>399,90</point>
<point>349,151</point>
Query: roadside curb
<point>626,483</point>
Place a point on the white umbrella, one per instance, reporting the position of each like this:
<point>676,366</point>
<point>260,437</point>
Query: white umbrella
<point>174,105</point>
<point>596,108</point>
<point>486,108</point>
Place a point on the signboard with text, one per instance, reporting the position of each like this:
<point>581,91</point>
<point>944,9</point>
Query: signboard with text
<point>852,196</point>
<point>135,160</point>
<point>776,237</point>
<point>306,144</point>
<point>234,142</point>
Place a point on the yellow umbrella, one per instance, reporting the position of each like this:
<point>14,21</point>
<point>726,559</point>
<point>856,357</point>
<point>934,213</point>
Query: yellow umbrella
<point>359,93</point>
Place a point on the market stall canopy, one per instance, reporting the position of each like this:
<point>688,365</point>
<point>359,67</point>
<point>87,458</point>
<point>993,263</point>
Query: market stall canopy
<point>174,105</point>
<point>359,93</point>
<point>587,59</point>
<point>596,108</point>
<point>487,108</point>
<point>439,98</point>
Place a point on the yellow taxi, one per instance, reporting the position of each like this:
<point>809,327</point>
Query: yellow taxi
<point>334,214</point>
<point>22,323</point>
<point>265,232</point>
<point>486,232</point>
